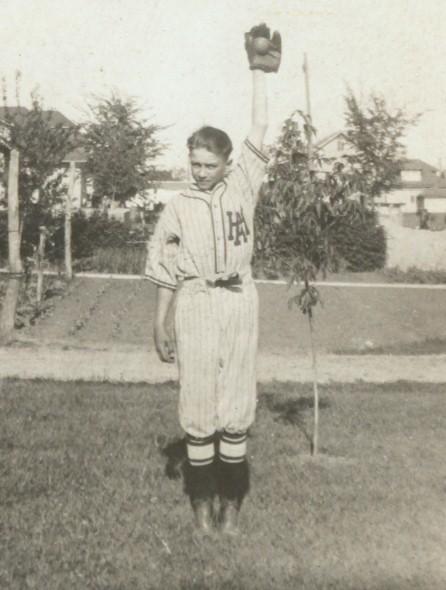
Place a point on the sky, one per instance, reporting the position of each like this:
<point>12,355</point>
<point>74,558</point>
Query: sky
<point>184,61</point>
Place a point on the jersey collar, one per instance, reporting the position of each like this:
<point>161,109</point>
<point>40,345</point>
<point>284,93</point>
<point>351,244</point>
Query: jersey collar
<point>193,188</point>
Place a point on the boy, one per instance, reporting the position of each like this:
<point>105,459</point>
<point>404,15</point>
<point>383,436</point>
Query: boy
<point>200,254</point>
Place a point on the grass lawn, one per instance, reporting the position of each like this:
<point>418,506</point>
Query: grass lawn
<point>89,497</point>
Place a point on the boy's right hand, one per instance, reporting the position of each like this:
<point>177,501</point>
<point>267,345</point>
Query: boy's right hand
<point>164,344</point>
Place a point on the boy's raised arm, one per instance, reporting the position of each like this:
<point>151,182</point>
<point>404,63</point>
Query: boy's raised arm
<point>264,56</point>
<point>259,122</point>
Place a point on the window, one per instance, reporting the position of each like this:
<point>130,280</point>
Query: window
<point>420,202</point>
<point>411,175</point>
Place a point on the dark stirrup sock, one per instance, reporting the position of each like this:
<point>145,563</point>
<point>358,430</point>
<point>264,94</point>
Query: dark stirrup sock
<point>233,468</point>
<point>200,476</point>
<point>200,482</point>
<point>233,480</point>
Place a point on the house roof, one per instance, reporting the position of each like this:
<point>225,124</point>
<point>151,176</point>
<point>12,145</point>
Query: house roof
<point>20,113</point>
<point>416,164</point>
<point>432,185</point>
<point>77,155</point>
<point>430,175</point>
<point>321,143</point>
<point>58,118</point>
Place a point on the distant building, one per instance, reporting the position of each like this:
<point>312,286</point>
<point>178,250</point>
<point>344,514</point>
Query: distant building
<point>418,187</point>
<point>56,118</point>
<point>334,145</point>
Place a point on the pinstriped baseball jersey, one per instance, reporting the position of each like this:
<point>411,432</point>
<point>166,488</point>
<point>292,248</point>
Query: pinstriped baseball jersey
<point>205,235</point>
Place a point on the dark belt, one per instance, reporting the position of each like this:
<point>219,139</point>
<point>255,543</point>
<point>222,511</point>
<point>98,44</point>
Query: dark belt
<point>233,282</point>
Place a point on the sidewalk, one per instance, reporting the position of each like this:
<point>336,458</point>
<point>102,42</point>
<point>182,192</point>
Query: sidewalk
<point>134,365</point>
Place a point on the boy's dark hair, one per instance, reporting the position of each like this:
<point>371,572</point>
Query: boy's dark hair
<point>212,139</point>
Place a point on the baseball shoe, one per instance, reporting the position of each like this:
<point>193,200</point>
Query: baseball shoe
<point>204,516</point>
<point>228,518</point>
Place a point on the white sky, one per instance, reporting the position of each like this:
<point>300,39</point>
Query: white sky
<point>184,60</point>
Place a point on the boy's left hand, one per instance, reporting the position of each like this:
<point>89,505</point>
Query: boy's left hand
<point>264,52</point>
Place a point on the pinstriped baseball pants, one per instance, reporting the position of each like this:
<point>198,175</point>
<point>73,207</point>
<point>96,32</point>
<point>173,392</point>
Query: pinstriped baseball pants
<point>216,332</point>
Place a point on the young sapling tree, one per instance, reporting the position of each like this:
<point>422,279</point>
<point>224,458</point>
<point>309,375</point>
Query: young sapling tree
<point>303,203</point>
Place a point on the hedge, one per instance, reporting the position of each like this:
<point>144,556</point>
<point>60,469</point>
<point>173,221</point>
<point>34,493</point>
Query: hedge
<point>89,234</point>
<point>362,246</point>
<point>108,245</point>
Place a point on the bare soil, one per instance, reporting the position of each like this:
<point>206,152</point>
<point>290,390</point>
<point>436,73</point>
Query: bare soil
<point>111,314</point>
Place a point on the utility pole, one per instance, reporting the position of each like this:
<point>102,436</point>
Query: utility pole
<point>308,104</point>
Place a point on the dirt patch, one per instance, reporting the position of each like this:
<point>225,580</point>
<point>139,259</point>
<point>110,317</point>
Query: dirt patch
<point>109,314</point>
<point>135,365</point>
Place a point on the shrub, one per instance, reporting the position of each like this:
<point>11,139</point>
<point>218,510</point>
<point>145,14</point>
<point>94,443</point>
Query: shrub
<point>360,246</point>
<point>356,245</point>
<point>93,232</point>
<point>124,260</point>
<point>98,242</point>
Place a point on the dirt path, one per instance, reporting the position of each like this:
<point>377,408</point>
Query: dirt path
<point>102,330</point>
<point>136,365</point>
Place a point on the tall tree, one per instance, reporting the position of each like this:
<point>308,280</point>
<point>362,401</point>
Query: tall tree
<point>43,141</point>
<point>375,133</point>
<point>39,141</point>
<point>121,148</point>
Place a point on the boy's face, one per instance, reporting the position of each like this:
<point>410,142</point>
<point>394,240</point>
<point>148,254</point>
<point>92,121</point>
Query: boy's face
<point>207,168</point>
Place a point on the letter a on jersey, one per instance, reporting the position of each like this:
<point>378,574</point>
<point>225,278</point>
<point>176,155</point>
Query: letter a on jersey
<point>238,228</point>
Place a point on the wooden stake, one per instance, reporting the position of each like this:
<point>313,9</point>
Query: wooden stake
<point>67,237</point>
<point>9,307</point>
<point>315,445</point>
<point>40,257</point>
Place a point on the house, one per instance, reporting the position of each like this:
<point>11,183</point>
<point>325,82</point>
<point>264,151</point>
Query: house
<point>334,145</point>
<point>419,186</point>
<point>77,156</point>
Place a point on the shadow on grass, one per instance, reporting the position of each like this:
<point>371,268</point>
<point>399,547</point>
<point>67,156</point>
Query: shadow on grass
<point>291,411</point>
<point>175,453</point>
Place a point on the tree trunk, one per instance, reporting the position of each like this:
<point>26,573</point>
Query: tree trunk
<point>315,441</point>
<point>40,257</point>
<point>68,203</point>
<point>9,307</point>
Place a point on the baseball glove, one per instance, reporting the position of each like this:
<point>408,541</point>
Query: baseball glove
<point>264,52</point>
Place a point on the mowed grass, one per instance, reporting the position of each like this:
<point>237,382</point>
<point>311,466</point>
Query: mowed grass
<point>91,494</point>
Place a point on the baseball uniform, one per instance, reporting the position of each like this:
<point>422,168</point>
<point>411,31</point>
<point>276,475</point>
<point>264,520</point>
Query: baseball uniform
<point>202,247</point>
